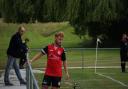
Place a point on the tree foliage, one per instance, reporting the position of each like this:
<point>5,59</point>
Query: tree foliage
<point>1,3</point>
<point>17,10</point>
<point>32,10</point>
<point>108,18</point>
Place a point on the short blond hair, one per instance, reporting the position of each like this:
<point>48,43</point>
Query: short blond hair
<point>21,28</point>
<point>59,34</point>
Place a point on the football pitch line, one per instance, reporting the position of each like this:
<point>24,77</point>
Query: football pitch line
<point>89,67</point>
<point>108,77</point>
<point>100,74</point>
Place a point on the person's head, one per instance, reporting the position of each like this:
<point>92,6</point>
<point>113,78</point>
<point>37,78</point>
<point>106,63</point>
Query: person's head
<point>21,30</point>
<point>59,38</point>
<point>124,36</point>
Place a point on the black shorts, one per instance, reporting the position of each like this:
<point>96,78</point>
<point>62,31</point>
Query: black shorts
<point>50,80</point>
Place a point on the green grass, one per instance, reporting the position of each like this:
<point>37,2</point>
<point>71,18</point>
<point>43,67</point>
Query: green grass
<point>40,34</point>
<point>78,58</point>
<point>87,79</point>
<point>85,57</point>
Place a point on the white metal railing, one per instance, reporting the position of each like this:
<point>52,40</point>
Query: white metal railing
<point>31,81</point>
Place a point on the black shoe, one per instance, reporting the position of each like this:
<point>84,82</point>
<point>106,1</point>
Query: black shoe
<point>8,84</point>
<point>23,83</point>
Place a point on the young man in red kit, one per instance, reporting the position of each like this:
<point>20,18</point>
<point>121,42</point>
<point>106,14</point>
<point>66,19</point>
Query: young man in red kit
<point>55,59</point>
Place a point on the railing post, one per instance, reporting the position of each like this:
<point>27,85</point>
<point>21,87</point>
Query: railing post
<point>31,81</point>
<point>28,76</point>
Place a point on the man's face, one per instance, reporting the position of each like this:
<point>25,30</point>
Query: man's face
<point>58,40</point>
<point>22,31</point>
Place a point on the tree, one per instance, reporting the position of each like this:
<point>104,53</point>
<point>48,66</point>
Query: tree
<point>100,17</point>
<point>8,10</point>
<point>54,10</point>
<point>40,10</point>
<point>17,10</point>
<point>23,10</point>
<point>1,6</point>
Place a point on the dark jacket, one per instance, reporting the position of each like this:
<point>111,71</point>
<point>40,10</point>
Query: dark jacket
<point>124,50</point>
<point>23,52</point>
<point>124,46</point>
<point>15,46</point>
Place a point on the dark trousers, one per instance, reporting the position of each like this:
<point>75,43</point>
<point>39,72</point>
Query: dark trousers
<point>124,58</point>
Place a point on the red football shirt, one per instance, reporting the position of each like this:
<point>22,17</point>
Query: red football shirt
<point>55,56</point>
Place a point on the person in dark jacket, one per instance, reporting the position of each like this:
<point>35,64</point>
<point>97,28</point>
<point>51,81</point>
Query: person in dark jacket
<point>23,54</point>
<point>13,52</point>
<point>123,52</point>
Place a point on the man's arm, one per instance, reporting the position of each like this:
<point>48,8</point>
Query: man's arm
<point>65,64</point>
<point>66,69</point>
<point>36,57</point>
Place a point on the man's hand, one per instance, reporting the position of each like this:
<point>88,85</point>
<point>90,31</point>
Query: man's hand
<point>30,61</point>
<point>67,76</point>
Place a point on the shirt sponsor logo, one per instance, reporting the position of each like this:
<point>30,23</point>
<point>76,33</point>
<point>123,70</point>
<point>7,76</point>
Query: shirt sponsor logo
<point>59,52</point>
<point>51,50</point>
<point>53,56</point>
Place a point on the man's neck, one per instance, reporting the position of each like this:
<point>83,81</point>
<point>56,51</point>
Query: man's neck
<point>55,44</point>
